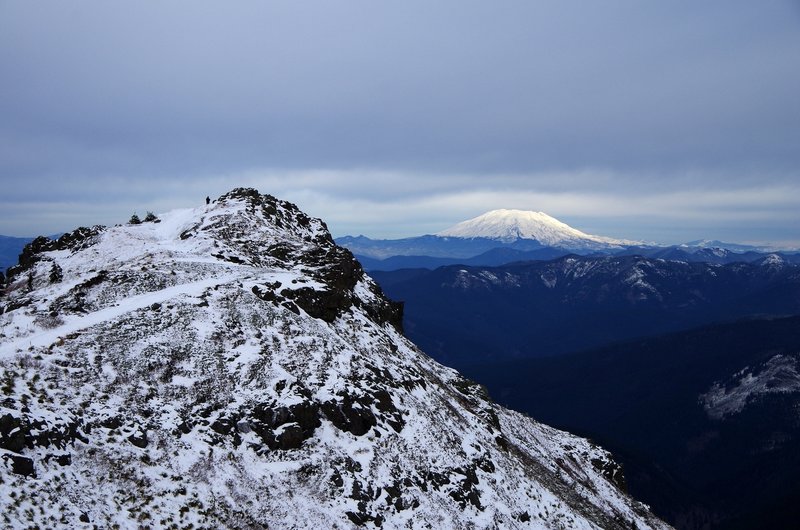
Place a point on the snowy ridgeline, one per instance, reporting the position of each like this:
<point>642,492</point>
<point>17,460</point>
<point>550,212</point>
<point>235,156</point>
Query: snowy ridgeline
<point>230,366</point>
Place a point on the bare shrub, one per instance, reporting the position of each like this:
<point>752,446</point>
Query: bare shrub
<point>49,321</point>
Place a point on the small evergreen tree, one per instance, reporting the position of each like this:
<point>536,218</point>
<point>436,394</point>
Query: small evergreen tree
<point>134,220</point>
<point>150,217</point>
<point>56,274</point>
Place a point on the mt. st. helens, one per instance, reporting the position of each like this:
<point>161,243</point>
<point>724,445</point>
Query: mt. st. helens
<point>230,366</point>
<point>510,225</point>
<point>517,231</point>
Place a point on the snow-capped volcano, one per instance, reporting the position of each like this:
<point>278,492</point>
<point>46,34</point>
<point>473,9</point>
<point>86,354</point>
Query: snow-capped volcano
<point>510,225</point>
<point>231,367</point>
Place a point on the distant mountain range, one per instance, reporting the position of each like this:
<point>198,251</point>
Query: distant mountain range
<point>494,257</point>
<point>464,315</point>
<point>499,237</point>
<point>517,230</point>
<point>704,419</point>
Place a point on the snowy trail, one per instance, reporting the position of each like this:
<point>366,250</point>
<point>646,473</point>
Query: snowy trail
<point>77,323</point>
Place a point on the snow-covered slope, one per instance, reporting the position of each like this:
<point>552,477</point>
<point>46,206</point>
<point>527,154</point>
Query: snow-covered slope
<point>778,375</point>
<point>231,367</point>
<point>510,225</point>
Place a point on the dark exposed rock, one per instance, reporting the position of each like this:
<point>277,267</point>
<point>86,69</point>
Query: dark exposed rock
<point>465,492</point>
<point>349,416</point>
<point>99,278</point>
<point>281,251</point>
<point>21,465</point>
<point>267,294</point>
<point>612,471</point>
<point>435,480</point>
<point>31,254</point>
<point>15,304</point>
<point>390,312</point>
<point>291,306</point>
<point>229,258</point>
<point>12,433</point>
<point>306,415</point>
<point>359,518</point>
<point>112,422</point>
<point>228,427</point>
<point>59,435</point>
<point>223,425</point>
<point>139,439</point>
<point>364,495</point>
<point>326,305</point>
<point>501,442</point>
<point>64,460</point>
<point>18,433</point>
<point>354,414</point>
<point>290,436</point>
<point>189,232</point>
<point>78,239</point>
<point>285,427</point>
<point>484,463</point>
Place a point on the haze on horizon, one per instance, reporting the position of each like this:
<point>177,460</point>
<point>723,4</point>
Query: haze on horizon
<point>659,122</point>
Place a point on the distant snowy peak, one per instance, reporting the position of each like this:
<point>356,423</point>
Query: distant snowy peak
<point>510,225</point>
<point>717,244</point>
<point>736,247</point>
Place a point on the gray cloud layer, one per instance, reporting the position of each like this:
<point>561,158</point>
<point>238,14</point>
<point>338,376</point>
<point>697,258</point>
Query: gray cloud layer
<point>388,118</point>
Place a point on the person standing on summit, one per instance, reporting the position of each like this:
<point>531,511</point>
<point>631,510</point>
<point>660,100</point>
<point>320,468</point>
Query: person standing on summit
<point>208,200</point>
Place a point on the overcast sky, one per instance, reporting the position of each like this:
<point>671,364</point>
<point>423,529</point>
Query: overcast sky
<point>663,121</point>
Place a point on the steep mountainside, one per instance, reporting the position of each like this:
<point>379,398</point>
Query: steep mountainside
<point>230,366</point>
<point>706,421</point>
<point>466,315</point>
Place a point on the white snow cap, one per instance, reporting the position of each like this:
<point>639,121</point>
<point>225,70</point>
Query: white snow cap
<point>510,225</point>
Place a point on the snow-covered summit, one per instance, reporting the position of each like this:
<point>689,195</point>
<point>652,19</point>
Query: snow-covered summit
<point>231,367</point>
<point>510,225</point>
